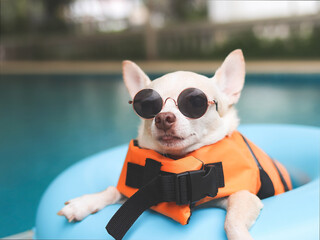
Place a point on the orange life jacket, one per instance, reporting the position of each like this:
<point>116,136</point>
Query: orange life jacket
<point>239,164</point>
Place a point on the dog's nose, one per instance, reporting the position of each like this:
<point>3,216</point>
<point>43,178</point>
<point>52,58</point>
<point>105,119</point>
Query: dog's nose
<point>165,121</point>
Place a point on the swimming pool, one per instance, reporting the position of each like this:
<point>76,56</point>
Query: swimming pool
<point>48,122</point>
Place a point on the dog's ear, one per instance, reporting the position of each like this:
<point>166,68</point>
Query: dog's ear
<point>134,78</point>
<point>230,76</point>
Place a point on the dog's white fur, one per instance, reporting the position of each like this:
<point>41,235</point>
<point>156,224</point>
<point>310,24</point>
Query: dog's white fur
<point>189,134</point>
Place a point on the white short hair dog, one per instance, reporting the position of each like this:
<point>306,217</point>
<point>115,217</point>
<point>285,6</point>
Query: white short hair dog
<point>174,134</point>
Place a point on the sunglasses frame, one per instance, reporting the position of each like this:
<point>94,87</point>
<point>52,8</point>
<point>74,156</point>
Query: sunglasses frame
<point>175,102</point>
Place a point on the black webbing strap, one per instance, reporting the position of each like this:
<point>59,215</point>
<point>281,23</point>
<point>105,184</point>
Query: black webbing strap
<point>267,188</point>
<point>184,188</point>
<point>284,183</point>
<point>152,169</point>
<point>148,196</point>
<point>137,173</point>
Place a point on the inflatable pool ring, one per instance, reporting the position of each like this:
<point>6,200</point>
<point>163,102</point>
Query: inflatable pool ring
<point>292,215</point>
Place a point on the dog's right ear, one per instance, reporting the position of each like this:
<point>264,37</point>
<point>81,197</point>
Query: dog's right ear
<point>134,78</point>
<point>230,76</point>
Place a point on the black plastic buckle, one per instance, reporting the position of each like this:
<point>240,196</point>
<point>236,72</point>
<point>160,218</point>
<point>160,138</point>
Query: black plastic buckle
<point>203,183</point>
<point>200,184</point>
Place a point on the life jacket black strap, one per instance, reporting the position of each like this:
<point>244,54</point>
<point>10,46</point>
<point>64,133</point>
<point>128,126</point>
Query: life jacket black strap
<point>183,188</point>
<point>284,183</point>
<point>267,188</point>
<point>148,196</point>
<point>137,174</point>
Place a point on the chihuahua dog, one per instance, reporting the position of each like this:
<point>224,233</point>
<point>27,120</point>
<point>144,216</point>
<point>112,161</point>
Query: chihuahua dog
<point>174,134</point>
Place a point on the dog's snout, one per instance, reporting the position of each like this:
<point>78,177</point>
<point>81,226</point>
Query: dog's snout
<point>165,121</point>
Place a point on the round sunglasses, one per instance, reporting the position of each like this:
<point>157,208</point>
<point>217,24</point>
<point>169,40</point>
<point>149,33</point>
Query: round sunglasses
<point>192,103</point>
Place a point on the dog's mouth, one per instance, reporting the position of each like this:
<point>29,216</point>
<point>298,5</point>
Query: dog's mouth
<point>173,144</point>
<point>170,139</point>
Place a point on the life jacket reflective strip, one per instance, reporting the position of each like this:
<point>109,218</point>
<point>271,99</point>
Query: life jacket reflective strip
<point>241,171</point>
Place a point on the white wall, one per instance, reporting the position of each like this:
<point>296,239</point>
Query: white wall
<point>228,11</point>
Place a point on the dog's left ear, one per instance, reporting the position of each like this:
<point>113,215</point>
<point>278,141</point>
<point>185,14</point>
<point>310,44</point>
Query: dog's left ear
<point>230,76</point>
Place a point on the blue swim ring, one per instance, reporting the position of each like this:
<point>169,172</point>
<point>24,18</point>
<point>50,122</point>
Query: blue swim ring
<point>293,215</point>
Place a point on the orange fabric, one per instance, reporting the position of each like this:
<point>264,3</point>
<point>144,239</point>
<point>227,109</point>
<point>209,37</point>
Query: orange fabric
<point>240,170</point>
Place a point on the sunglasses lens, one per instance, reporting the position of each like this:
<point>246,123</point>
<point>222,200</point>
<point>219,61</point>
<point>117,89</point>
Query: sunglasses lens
<point>147,103</point>
<point>192,103</point>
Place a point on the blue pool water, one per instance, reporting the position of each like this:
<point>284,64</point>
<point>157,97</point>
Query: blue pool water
<point>48,122</point>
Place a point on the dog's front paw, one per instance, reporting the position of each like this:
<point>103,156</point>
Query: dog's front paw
<point>238,233</point>
<point>79,208</point>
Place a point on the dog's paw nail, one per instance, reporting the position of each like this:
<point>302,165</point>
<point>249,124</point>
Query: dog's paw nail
<point>71,219</point>
<point>60,213</point>
<point>95,211</point>
<point>67,202</point>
